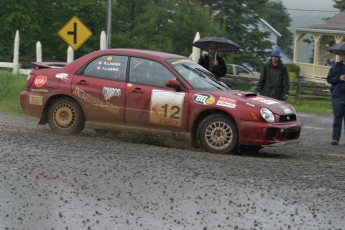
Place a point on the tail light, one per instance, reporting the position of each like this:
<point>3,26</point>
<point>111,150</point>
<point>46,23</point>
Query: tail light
<point>30,80</point>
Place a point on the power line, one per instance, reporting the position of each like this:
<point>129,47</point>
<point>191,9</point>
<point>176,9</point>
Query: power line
<point>316,10</point>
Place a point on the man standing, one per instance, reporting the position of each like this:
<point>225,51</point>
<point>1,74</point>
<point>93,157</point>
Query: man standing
<point>213,62</point>
<point>274,79</point>
<point>336,77</point>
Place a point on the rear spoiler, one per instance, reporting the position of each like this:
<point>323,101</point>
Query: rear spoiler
<point>49,65</point>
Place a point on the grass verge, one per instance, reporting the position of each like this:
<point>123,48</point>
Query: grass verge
<point>11,85</point>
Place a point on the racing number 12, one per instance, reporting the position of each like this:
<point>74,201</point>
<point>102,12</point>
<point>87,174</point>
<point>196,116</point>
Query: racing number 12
<point>175,111</point>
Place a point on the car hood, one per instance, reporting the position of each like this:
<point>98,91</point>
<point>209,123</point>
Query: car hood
<point>253,99</point>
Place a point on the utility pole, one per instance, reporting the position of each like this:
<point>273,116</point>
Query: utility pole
<point>109,25</point>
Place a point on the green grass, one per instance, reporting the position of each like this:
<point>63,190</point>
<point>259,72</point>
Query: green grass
<point>11,85</point>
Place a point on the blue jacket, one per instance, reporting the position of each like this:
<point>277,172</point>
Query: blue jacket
<point>333,77</point>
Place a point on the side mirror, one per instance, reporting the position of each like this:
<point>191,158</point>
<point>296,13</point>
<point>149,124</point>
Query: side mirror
<point>172,84</point>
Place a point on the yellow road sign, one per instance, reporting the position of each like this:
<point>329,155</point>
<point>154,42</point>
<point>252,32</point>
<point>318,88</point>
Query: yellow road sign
<point>74,33</point>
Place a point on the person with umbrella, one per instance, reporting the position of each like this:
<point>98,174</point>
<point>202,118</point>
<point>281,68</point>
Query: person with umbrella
<point>336,77</point>
<point>274,78</point>
<point>212,62</point>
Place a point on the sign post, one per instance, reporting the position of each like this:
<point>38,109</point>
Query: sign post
<point>74,33</point>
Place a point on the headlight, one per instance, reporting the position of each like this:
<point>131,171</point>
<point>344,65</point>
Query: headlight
<point>267,115</point>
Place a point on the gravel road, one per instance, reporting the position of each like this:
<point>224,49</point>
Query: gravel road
<point>123,181</point>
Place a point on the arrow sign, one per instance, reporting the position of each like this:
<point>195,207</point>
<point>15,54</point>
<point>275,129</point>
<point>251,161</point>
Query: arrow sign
<point>74,33</point>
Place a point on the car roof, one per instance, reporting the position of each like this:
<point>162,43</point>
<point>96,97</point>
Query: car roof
<point>139,52</point>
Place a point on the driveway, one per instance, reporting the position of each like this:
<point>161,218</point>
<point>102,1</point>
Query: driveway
<point>124,181</point>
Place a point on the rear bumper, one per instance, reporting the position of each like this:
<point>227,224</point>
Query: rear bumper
<point>31,104</point>
<point>259,133</point>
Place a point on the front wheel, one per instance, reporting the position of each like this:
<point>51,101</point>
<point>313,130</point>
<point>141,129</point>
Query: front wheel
<point>66,117</point>
<point>218,134</point>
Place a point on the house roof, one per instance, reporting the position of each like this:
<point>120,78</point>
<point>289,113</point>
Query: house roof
<point>336,22</point>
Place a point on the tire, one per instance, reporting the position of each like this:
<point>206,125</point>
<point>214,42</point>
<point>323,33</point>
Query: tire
<point>66,117</point>
<point>218,134</point>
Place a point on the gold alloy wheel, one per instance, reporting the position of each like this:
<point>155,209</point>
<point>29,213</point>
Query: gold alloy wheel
<point>218,135</point>
<point>64,115</point>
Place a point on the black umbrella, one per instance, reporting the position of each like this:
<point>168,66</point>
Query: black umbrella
<point>222,44</point>
<point>338,48</point>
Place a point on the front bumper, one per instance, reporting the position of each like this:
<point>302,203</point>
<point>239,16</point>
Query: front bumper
<point>260,133</point>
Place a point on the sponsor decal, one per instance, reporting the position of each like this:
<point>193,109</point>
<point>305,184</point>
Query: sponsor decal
<point>109,58</point>
<point>63,77</point>
<point>107,68</point>
<point>39,90</point>
<point>40,81</point>
<point>227,102</point>
<point>35,100</point>
<point>95,101</point>
<point>111,92</point>
<point>166,108</point>
<point>182,61</point>
<point>203,98</point>
<point>250,104</point>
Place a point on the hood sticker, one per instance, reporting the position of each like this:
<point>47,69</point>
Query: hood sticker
<point>286,109</point>
<point>203,98</point>
<point>265,101</point>
<point>227,102</point>
<point>40,81</point>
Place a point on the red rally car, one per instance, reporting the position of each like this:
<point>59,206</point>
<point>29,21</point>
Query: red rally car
<point>154,92</point>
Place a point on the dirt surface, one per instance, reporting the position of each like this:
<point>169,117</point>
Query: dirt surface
<point>123,181</point>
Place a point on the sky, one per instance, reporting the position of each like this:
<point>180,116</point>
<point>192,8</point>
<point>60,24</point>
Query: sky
<point>306,13</point>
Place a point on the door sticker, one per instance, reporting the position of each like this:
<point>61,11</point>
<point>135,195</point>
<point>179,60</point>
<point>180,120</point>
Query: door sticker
<point>166,108</point>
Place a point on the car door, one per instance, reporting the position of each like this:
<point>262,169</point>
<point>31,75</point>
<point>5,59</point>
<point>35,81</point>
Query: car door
<point>149,103</point>
<point>100,88</point>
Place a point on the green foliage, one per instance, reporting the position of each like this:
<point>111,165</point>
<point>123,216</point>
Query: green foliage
<point>241,24</point>
<point>164,25</point>
<point>276,14</point>
<point>294,71</point>
<point>339,4</point>
<point>11,85</point>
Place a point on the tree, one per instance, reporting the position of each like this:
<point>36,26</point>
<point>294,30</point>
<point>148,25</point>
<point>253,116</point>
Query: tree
<point>276,14</point>
<point>339,4</point>
<point>240,19</point>
<point>188,18</point>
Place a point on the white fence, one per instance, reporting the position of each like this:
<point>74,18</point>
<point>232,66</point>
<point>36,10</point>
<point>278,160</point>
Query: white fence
<point>15,65</point>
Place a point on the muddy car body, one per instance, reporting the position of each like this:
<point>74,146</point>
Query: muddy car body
<point>154,92</point>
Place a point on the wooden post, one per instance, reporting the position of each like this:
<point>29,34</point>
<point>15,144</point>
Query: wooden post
<point>15,69</point>
<point>38,52</point>
<point>70,54</point>
<point>103,41</point>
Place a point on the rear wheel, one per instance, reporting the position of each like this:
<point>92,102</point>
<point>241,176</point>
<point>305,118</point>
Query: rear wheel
<point>66,117</point>
<point>218,134</point>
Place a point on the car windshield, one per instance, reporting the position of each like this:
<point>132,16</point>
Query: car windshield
<point>196,75</point>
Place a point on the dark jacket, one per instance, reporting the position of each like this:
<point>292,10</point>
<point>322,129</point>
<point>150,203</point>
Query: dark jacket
<point>333,77</point>
<point>219,70</point>
<point>274,80</point>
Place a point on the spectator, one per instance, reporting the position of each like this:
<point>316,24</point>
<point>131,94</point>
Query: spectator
<point>213,62</point>
<point>336,77</point>
<point>274,78</point>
